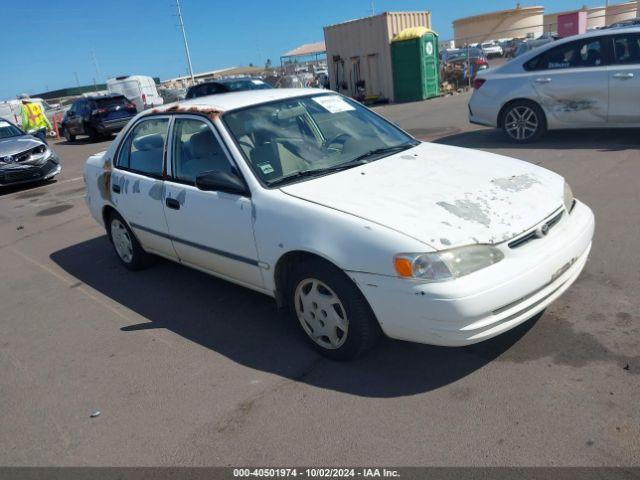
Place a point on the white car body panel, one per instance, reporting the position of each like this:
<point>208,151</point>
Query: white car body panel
<point>358,219</point>
<point>591,97</point>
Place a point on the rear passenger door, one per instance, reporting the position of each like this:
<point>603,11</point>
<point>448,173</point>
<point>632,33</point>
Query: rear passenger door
<point>210,230</point>
<point>137,188</point>
<point>571,81</point>
<point>624,79</point>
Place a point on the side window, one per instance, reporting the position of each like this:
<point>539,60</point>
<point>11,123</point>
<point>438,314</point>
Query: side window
<point>196,150</point>
<point>626,49</point>
<point>143,150</point>
<point>580,54</point>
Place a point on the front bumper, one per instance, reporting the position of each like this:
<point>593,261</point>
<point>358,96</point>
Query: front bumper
<point>19,174</point>
<point>488,302</point>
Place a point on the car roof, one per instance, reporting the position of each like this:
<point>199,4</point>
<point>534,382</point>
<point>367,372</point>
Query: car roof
<point>233,100</point>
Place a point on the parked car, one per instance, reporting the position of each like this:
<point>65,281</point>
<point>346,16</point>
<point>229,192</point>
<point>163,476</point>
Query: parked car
<point>634,22</point>
<point>97,116</point>
<point>491,49</point>
<point>139,89</point>
<point>528,45</point>
<point>24,158</point>
<point>584,81</point>
<point>346,220</point>
<point>225,86</point>
<point>469,60</point>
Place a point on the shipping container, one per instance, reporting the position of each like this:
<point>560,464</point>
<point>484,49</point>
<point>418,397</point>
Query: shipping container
<point>359,53</point>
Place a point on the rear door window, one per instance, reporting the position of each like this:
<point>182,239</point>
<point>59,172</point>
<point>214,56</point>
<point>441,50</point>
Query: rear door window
<point>143,151</point>
<point>111,102</point>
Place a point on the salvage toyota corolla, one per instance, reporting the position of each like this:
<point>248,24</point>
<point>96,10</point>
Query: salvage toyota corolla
<point>347,221</point>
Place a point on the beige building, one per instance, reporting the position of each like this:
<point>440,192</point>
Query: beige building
<point>621,12</point>
<point>359,52</point>
<point>519,22</point>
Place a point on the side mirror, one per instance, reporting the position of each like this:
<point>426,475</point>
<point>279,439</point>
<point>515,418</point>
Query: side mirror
<point>217,181</point>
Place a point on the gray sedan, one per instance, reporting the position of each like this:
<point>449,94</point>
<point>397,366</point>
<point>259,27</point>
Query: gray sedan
<point>24,158</point>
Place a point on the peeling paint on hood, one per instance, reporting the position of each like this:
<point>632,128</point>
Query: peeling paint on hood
<point>458,195</point>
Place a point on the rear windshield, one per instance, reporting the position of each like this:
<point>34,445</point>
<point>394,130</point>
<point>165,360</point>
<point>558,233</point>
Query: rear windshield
<point>110,102</point>
<point>7,130</point>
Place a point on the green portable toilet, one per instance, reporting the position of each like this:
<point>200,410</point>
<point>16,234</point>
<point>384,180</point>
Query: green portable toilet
<point>414,57</point>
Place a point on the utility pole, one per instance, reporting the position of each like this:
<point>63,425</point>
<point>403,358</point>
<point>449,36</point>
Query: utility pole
<point>95,64</point>
<point>186,45</point>
<point>77,80</point>
<point>373,8</point>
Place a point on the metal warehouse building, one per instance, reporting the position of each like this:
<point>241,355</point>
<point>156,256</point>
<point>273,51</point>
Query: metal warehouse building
<point>359,53</point>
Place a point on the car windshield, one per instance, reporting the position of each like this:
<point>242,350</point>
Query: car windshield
<point>301,137</point>
<point>7,130</point>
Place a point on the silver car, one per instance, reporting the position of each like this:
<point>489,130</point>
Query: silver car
<point>585,81</point>
<point>24,158</point>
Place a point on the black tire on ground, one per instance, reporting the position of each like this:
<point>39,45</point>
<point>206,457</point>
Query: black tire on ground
<point>363,329</point>
<point>523,121</point>
<point>139,259</point>
<point>68,135</point>
<point>94,135</point>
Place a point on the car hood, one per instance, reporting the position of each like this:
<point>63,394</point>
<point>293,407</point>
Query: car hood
<point>442,196</point>
<point>13,145</point>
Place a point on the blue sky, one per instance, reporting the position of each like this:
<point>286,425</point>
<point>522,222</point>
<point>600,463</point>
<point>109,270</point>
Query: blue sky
<point>49,42</point>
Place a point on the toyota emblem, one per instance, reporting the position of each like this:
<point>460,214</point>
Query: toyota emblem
<point>542,231</point>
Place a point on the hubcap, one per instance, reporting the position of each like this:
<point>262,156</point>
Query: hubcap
<point>121,240</point>
<point>521,123</point>
<point>321,313</point>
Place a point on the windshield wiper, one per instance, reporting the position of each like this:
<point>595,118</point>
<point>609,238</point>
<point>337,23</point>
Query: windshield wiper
<point>359,160</point>
<point>383,150</point>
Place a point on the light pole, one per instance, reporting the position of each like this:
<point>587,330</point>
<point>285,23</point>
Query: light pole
<point>186,44</point>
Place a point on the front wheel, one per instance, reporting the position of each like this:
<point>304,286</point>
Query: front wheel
<point>333,313</point>
<point>524,122</point>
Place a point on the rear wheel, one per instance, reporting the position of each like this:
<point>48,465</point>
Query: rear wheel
<point>126,245</point>
<point>333,313</point>
<point>68,135</point>
<point>523,122</point>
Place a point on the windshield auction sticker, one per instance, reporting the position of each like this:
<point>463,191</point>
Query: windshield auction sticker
<point>333,103</point>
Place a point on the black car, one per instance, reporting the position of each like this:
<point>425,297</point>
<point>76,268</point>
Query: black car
<point>97,116</point>
<point>24,158</point>
<point>226,85</point>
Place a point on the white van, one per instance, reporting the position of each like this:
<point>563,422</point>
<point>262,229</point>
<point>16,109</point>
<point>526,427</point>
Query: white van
<point>139,89</point>
<point>10,110</point>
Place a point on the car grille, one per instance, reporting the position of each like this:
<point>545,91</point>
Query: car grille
<point>24,174</point>
<point>23,156</point>
<point>534,235</point>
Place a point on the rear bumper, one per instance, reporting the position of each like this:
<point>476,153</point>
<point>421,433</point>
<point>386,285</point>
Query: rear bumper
<point>112,126</point>
<point>490,301</point>
<point>483,110</point>
<point>30,173</point>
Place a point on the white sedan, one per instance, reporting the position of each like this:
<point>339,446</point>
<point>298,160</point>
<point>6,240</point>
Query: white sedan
<point>584,81</point>
<point>348,222</point>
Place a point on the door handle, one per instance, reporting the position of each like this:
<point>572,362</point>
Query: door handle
<point>115,188</point>
<point>543,80</point>
<point>623,75</point>
<point>172,203</point>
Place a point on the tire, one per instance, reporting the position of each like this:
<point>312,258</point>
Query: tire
<point>346,327</point>
<point>125,244</point>
<point>94,136</point>
<point>523,122</point>
<point>68,135</point>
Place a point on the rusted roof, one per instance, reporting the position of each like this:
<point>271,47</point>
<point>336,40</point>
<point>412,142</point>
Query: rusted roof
<point>307,49</point>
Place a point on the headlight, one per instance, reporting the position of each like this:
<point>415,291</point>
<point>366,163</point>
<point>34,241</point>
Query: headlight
<point>568,197</point>
<point>448,264</point>
<point>42,153</point>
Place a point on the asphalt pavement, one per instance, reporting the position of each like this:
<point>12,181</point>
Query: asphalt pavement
<point>186,369</point>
